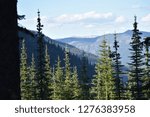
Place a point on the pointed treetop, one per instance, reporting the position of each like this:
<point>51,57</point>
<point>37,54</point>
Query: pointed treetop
<point>135,22</point>
<point>38,13</point>
<point>135,18</point>
<point>39,25</point>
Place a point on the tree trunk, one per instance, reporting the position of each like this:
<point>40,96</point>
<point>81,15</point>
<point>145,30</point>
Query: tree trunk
<point>9,51</point>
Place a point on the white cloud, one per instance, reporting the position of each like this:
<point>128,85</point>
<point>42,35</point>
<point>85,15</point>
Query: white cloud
<point>71,18</point>
<point>120,19</point>
<point>146,18</point>
<point>89,26</point>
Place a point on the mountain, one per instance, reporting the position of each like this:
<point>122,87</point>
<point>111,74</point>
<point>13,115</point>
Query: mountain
<point>55,49</point>
<point>91,44</point>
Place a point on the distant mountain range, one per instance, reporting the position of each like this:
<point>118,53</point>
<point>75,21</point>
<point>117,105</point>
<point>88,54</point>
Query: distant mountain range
<point>91,44</point>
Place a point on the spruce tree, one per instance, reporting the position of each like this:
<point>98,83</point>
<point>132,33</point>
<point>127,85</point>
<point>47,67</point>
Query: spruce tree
<point>41,78</point>
<point>24,74</point>
<point>103,82</point>
<point>67,76</point>
<point>48,75</point>
<point>146,88</point>
<point>84,80</point>
<point>76,89</point>
<point>32,75</point>
<point>119,85</point>
<point>136,64</point>
<point>58,82</point>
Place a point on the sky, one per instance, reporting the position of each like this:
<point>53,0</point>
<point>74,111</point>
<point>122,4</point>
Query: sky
<point>67,18</point>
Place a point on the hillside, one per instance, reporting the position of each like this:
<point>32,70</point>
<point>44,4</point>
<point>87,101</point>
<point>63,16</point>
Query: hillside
<point>55,49</point>
<point>91,44</point>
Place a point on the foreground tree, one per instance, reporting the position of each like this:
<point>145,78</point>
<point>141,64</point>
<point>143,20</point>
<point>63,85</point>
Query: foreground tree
<point>76,89</point>
<point>32,75</point>
<point>67,84</point>
<point>41,78</point>
<point>58,82</point>
<point>146,87</point>
<point>119,85</point>
<point>136,64</point>
<point>24,73</point>
<point>48,75</point>
<point>103,82</point>
<point>84,80</point>
<point>9,50</point>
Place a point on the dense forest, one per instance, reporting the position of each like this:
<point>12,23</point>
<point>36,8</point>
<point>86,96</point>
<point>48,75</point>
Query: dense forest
<point>46,71</point>
<point>67,77</point>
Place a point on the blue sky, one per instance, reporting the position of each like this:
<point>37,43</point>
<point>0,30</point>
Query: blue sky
<point>65,18</point>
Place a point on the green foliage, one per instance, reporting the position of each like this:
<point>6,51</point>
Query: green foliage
<point>84,81</point>
<point>58,88</point>
<point>103,82</point>
<point>76,89</point>
<point>67,76</point>
<point>136,64</point>
<point>24,74</point>
<point>32,75</point>
<point>146,77</point>
<point>117,66</point>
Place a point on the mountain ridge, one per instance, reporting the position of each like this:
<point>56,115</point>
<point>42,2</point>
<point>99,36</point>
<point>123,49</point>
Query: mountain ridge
<point>91,45</point>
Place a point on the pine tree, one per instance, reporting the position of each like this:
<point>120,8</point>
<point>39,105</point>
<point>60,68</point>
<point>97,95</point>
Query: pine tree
<point>136,64</point>
<point>24,71</point>
<point>58,83</point>
<point>48,75</point>
<point>84,80</point>
<point>146,88</point>
<point>119,85</point>
<point>42,81</point>
<point>32,75</point>
<point>75,85</point>
<point>67,84</point>
<point>103,83</point>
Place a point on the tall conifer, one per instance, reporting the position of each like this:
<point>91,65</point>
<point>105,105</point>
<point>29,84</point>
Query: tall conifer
<point>84,81</point>
<point>136,64</point>
<point>24,73</point>
<point>67,76</point>
<point>119,85</point>
<point>32,75</point>
<point>103,82</point>
<point>41,78</point>
<point>76,89</point>
<point>58,82</point>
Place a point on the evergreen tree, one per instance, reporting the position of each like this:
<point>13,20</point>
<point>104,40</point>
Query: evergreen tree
<point>67,84</point>
<point>24,71</point>
<point>136,64</point>
<point>146,88</point>
<point>75,85</point>
<point>32,75</point>
<point>128,93</point>
<point>103,83</point>
<point>48,75</point>
<point>58,88</point>
<point>119,85</point>
<point>84,80</point>
<point>42,81</point>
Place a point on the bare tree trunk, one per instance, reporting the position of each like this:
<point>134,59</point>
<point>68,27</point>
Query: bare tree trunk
<point>9,51</point>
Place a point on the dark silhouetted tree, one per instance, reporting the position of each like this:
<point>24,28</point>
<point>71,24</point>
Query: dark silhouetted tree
<point>136,64</point>
<point>9,51</point>
<point>119,85</point>
<point>84,80</point>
